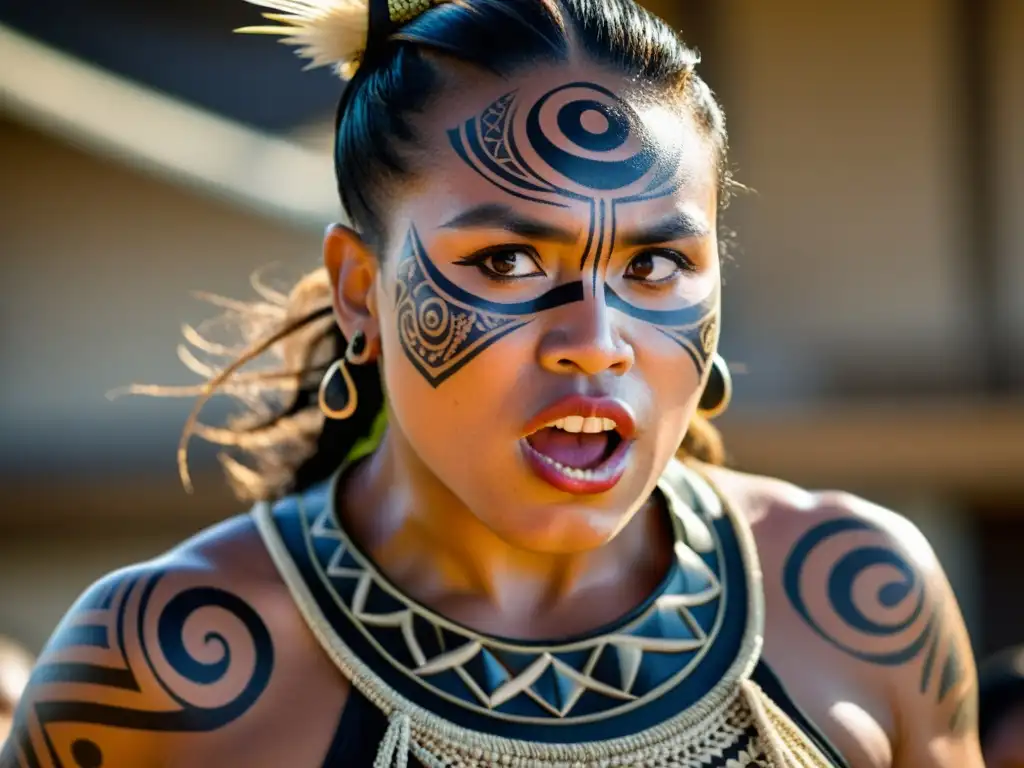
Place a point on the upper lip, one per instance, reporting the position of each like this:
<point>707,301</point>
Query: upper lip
<point>581,405</point>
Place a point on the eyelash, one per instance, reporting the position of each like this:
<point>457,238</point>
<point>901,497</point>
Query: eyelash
<point>479,259</point>
<point>679,259</point>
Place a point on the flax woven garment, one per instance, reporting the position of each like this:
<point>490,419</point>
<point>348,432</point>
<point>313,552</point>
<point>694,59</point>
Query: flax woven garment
<point>667,685</point>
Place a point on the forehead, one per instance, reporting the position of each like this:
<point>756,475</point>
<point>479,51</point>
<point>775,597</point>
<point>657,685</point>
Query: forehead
<point>557,139</point>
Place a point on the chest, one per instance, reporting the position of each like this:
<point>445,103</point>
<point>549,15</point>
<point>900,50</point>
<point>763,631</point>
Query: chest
<point>688,643</point>
<point>309,711</point>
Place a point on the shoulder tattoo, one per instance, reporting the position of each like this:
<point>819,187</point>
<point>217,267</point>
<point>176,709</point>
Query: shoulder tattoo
<point>134,656</point>
<point>863,595</point>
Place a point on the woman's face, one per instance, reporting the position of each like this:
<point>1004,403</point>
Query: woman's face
<point>549,301</point>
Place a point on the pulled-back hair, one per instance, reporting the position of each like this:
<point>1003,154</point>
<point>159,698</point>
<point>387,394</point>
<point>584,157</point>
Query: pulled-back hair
<point>285,442</point>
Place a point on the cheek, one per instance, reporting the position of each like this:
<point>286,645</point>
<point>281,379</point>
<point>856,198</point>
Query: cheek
<point>667,365</point>
<point>674,385</point>
<point>475,403</point>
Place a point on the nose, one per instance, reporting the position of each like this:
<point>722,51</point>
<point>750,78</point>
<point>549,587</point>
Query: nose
<point>583,340</point>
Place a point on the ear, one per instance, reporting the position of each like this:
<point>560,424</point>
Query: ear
<point>353,270</point>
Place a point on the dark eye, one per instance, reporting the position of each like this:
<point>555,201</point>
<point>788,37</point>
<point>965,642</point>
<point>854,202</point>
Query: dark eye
<point>505,263</point>
<point>657,266</point>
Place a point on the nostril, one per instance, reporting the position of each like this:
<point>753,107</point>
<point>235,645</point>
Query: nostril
<point>621,365</point>
<point>587,353</point>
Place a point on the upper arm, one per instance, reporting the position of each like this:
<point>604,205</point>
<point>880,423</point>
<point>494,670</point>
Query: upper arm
<point>868,585</point>
<point>146,655</point>
<point>937,691</point>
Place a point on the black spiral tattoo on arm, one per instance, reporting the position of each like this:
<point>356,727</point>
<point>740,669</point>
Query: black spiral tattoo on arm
<point>132,657</point>
<point>879,608</point>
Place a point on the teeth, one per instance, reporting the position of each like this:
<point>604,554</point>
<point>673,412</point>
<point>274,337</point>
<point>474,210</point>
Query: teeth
<point>573,472</point>
<point>591,425</point>
<point>574,424</point>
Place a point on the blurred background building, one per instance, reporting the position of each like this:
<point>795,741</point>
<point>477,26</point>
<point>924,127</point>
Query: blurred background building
<point>874,297</point>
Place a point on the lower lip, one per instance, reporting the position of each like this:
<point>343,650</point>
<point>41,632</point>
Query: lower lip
<point>598,480</point>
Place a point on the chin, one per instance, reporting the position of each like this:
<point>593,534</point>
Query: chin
<point>562,530</point>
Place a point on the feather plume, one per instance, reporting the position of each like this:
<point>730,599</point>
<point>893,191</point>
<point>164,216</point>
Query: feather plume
<point>327,32</point>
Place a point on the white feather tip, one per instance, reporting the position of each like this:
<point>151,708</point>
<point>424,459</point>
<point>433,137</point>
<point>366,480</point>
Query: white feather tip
<point>326,32</point>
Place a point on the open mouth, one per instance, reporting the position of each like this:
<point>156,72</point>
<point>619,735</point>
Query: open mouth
<point>576,445</point>
<point>581,454</point>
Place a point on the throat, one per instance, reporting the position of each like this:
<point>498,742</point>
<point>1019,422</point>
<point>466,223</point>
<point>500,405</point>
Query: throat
<point>577,450</point>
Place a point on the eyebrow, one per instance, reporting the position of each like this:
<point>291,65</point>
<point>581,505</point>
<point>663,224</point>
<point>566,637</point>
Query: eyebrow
<point>496,216</point>
<point>676,226</point>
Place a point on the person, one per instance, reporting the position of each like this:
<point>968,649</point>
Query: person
<point>1001,709</point>
<point>15,666</point>
<point>474,543</point>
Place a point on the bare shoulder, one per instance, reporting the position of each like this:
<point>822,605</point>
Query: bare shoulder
<point>840,537</point>
<point>859,612</point>
<point>170,662</point>
<point>780,512</point>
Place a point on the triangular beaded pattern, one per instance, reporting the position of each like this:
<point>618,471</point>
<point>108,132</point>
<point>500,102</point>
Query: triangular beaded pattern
<point>733,726</point>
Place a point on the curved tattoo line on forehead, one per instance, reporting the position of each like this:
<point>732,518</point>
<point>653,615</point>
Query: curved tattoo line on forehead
<point>591,173</point>
<point>488,144</point>
<point>443,326</point>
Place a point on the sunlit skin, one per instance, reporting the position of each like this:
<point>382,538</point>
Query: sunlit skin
<point>15,666</point>
<point>456,507</point>
<point>454,514</point>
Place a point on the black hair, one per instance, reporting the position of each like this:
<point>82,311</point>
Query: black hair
<point>375,147</point>
<point>377,120</point>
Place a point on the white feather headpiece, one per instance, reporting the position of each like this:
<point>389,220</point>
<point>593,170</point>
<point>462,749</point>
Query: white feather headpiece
<point>330,32</point>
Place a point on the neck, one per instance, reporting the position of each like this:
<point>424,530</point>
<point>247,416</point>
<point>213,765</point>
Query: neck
<point>431,546</point>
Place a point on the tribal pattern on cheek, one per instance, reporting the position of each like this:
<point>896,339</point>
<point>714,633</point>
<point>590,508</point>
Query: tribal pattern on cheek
<point>442,326</point>
<point>598,158</point>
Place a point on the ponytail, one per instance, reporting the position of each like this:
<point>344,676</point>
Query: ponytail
<point>703,442</point>
<point>281,442</point>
